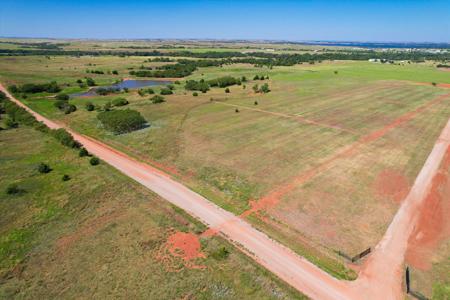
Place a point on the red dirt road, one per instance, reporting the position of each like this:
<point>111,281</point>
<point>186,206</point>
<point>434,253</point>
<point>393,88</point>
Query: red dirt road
<point>380,277</point>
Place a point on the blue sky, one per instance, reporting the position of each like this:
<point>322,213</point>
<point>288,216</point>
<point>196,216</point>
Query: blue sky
<point>381,20</point>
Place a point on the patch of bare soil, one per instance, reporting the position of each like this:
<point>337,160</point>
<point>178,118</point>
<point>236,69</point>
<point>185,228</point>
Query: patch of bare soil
<point>391,184</point>
<point>434,222</point>
<point>184,246</point>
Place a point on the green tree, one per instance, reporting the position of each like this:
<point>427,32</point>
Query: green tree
<point>94,161</point>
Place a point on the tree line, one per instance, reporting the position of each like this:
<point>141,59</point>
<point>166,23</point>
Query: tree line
<point>275,59</point>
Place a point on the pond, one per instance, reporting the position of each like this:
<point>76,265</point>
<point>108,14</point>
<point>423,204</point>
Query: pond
<point>129,83</point>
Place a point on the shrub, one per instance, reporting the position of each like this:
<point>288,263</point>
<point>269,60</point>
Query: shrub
<point>195,94</point>
<point>94,161</point>
<point>256,103</point>
<point>65,177</point>
<point>89,106</point>
<point>12,189</point>
<point>119,102</point>
<point>62,96</point>
<point>114,72</point>
<point>157,99</point>
<point>43,168</point>
<point>121,121</point>
<point>166,91</point>
<point>65,138</point>
<point>227,90</point>
<point>255,88</point>
<point>90,81</point>
<point>69,108</point>
<point>256,77</point>
<point>433,83</point>
<point>83,152</point>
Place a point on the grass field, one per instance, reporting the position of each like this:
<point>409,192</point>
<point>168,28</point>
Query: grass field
<point>328,154</point>
<point>99,235</point>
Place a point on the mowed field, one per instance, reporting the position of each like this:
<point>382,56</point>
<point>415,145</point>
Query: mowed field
<point>320,163</point>
<point>100,235</point>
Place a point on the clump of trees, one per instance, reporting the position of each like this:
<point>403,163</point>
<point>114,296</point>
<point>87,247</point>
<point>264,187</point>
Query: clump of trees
<point>263,89</point>
<point>201,85</point>
<point>225,81</point>
<point>121,121</point>
<point>102,91</point>
<point>33,88</point>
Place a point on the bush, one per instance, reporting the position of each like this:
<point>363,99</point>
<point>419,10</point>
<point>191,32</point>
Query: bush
<point>12,189</point>
<point>120,102</point>
<point>90,81</point>
<point>94,161</point>
<point>227,90</point>
<point>83,152</point>
<point>256,77</point>
<point>157,99</point>
<point>195,94</point>
<point>121,121</point>
<point>62,96</point>
<point>69,108</point>
<point>65,177</point>
<point>65,138</point>
<point>44,168</point>
<point>166,91</point>
<point>89,106</point>
<point>114,72</point>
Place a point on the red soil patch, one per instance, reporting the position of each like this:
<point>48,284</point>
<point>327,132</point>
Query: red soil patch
<point>434,223</point>
<point>391,184</point>
<point>181,245</point>
<point>274,197</point>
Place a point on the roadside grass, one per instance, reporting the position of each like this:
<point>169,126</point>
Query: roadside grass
<point>98,234</point>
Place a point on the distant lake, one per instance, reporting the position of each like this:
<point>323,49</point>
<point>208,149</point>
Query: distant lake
<point>129,83</point>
